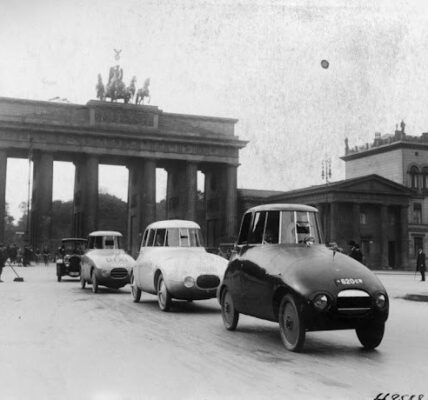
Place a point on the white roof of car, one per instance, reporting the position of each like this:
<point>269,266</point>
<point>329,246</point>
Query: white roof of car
<point>283,207</point>
<point>173,223</point>
<point>105,233</point>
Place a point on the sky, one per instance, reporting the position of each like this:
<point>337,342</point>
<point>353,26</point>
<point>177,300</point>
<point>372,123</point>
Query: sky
<point>257,61</point>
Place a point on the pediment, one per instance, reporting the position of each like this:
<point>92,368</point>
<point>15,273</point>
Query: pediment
<point>372,184</point>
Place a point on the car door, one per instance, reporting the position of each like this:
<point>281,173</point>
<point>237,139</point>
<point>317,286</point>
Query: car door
<point>234,269</point>
<point>256,283</point>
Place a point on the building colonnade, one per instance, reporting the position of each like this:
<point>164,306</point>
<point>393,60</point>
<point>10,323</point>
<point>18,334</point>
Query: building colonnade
<point>181,196</point>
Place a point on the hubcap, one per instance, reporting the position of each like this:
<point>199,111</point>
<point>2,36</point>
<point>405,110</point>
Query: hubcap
<point>162,294</point>
<point>290,323</point>
<point>227,307</point>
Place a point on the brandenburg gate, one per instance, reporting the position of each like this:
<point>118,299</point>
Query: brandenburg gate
<point>140,137</point>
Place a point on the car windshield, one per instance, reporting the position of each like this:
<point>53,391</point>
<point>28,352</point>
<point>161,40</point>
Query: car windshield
<point>74,246</point>
<point>105,242</point>
<point>174,237</point>
<point>296,226</point>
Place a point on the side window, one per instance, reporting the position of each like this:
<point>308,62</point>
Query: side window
<point>272,228</point>
<point>143,243</point>
<point>109,242</point>
<point>151,237</point>
<point>288,228</point>
<point>98,242</point>
<point>245,229</point>
<point>160,237</point>
<point>184,237</point>
<point>172,239</point>
<point>257,228</point>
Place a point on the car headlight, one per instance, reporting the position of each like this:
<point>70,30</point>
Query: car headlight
<point>105,272</point>
<point>189,282</point>
<point>321,302</point>
<point>380,300</point>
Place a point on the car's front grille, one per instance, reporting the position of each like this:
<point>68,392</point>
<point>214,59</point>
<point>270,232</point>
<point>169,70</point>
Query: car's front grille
<point>208,281</point>
<point>74,263</point>
<point>353,301</point>
<point>119,273</point>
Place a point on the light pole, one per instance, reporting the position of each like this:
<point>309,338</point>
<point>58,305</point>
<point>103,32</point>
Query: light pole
<point>326,169</point>
<point>27,226</point>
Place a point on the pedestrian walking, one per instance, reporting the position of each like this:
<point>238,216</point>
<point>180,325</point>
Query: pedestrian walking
<point>45,254</point>
<point>420,263</point>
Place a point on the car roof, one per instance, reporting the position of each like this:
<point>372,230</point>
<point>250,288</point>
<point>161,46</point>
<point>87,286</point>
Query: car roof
<point>105,233</point>
<point>282,207</point>
<point>173,223</point>
<point>73,239</point>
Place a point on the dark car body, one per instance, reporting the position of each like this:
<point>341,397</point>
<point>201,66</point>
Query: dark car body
<point>69,256</point>
<point>291,277</point>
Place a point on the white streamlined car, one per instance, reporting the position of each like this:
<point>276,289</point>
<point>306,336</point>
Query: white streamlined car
<point>174,264</point>
<point>105,263</point>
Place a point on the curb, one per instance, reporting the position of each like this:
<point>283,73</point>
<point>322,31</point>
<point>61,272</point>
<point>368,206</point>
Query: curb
<point>416,297</point>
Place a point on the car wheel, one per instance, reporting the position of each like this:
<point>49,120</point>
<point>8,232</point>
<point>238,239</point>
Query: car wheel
<point>58,278</point>
<point>291,324</point>
<point>136,292</point>
<point>228,311</point>
<point>370,335</point>
<point>164,298</point>
<point>82,282</point>
<point>94,282</point>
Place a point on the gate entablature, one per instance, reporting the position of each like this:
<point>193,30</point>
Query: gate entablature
<point>141,137</point>
<point>115,129</point>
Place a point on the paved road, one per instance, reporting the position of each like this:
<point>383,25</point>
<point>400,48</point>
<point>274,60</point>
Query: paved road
<point>58,341</point>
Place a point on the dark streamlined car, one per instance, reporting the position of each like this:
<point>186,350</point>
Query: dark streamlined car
<point>281,271</point>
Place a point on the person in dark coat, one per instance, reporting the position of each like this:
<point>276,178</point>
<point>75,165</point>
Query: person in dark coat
<point>420,263</point>
<point>357,254</point>
<point>3,258</point>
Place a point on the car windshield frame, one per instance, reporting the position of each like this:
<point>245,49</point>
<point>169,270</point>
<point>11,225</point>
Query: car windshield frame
<point>286,227</point>
<point>74,246</point>
<point>173,237</point>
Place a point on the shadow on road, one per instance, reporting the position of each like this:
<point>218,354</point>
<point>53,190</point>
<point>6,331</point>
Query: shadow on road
<point>183,307</point>
<point>316,343</point>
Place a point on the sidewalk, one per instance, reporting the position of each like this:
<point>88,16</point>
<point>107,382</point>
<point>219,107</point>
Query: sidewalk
<point>406,285</point>
<point>399,284</point>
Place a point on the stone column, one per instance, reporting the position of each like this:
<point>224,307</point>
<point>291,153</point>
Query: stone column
<point>214,205</point>
<point>91,198</point>
<point>85,207</point>
<point>404,237</point>
<point>356,234</point>
<point>3,172</point>
<point>41,202</point>
<point>333,222</point>
<point>384,260</point>
<point>141,201</point>
<point>231,207</point>
<point>182,190</point>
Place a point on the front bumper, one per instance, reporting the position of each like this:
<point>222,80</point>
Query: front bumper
<point>114,278</point>
<point>334,319</point>
<point>181,292</point>
<point>62,269</point>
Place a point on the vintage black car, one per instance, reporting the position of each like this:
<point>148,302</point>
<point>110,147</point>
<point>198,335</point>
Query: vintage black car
<point>68,257</point>
<point>281,271</point>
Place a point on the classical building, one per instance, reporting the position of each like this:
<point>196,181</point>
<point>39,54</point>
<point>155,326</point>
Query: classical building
<point>382,204</point>
<point>403,159</point>
<point>370,210</point>
<point>140,137</point>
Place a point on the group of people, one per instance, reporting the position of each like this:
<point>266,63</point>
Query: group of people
<point>24,256</point>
